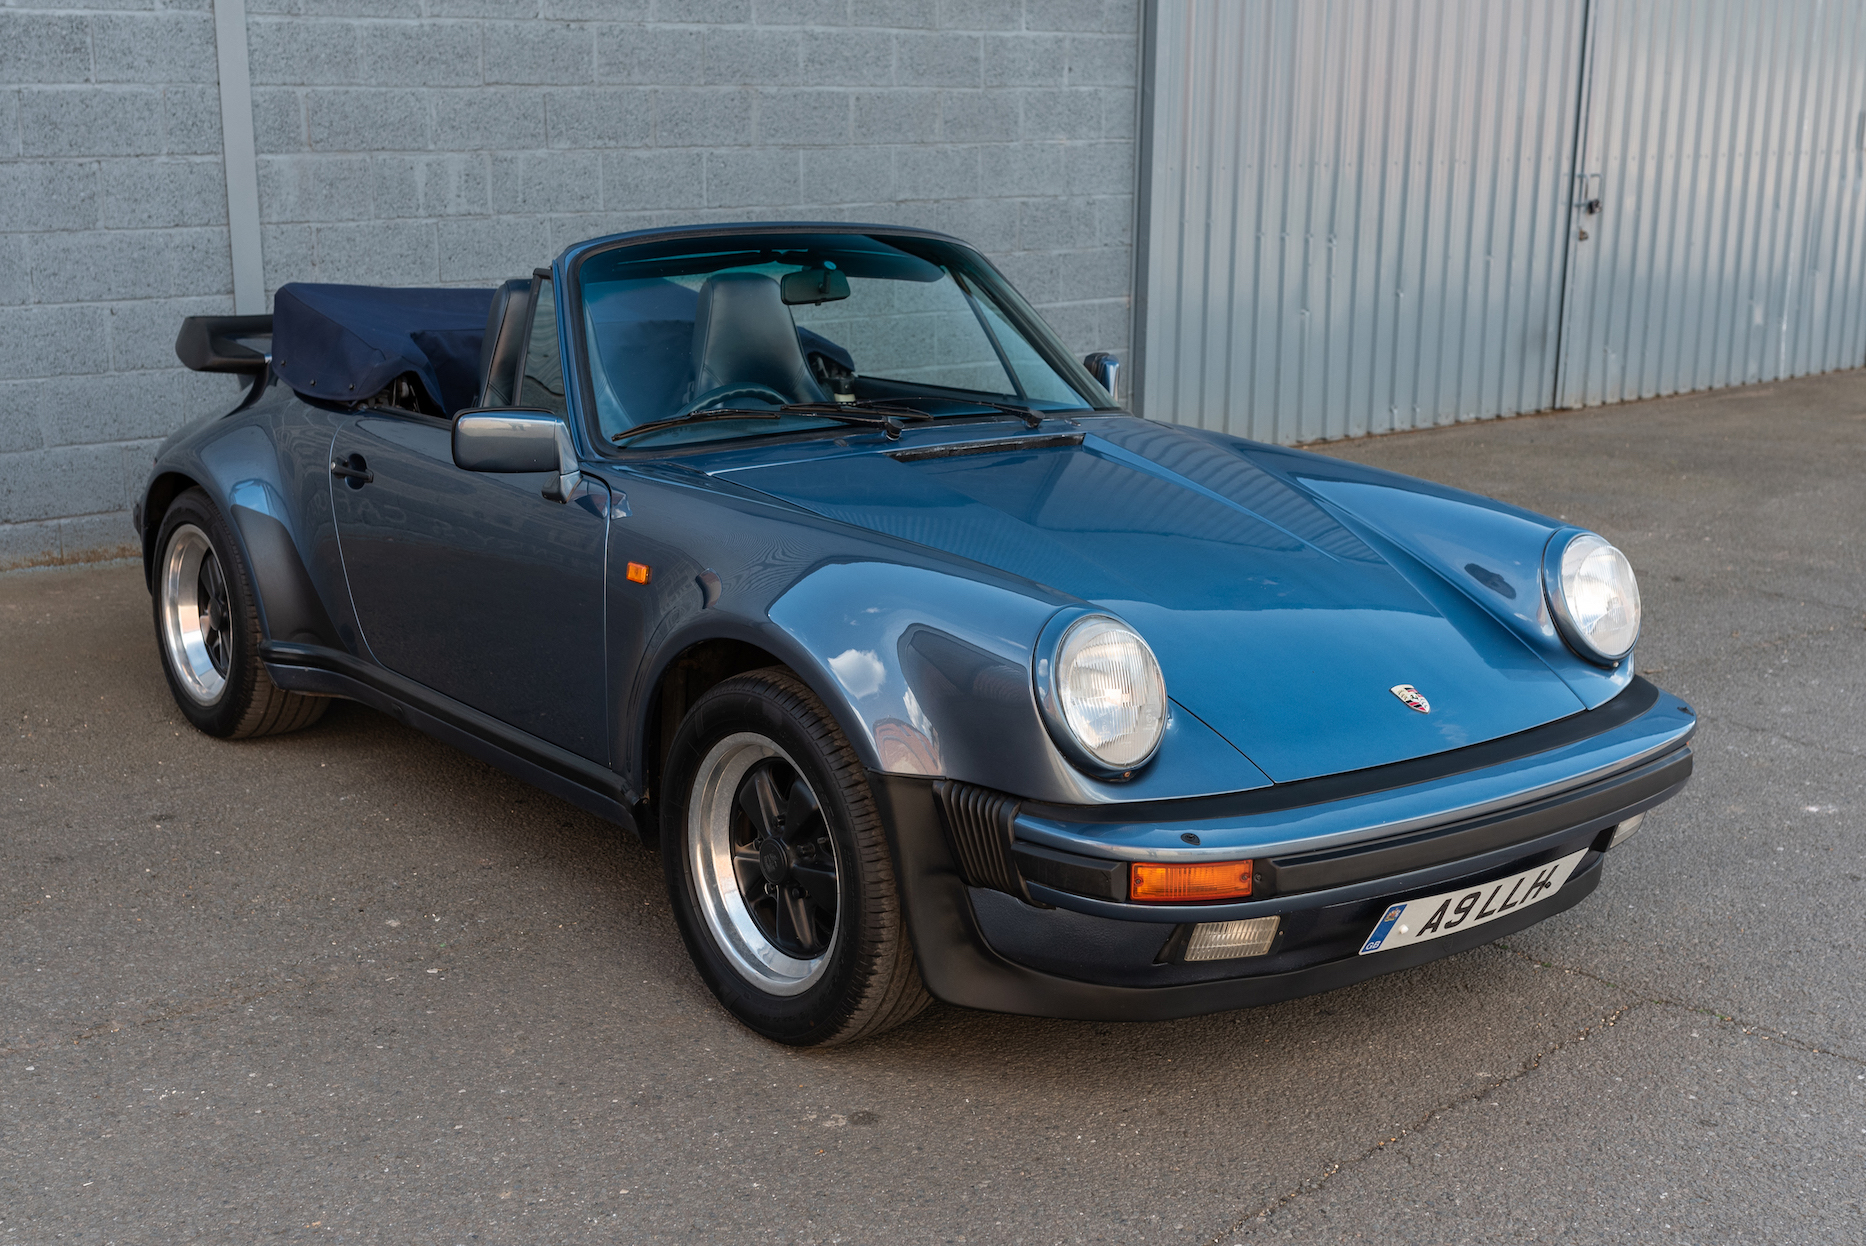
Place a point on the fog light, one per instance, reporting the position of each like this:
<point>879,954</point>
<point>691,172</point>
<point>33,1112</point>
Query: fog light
<point>1624,831</point>
<point>1188,884</point>
<point>1223,940</point>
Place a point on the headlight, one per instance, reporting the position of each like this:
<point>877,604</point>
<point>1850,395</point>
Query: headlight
<point>1102,695</point>
<point>1594,596</point>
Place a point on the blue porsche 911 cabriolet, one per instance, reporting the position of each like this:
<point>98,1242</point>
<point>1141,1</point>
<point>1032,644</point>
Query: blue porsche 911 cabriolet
<point>809,553</point>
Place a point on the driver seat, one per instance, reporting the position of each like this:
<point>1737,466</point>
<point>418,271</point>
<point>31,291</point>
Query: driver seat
<point>506,322</point>
<point>743,335</point>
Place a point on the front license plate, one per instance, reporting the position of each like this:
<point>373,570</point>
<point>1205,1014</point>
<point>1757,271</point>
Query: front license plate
<point>1415,921</point>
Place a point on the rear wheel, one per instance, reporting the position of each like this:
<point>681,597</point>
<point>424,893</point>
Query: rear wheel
<point>208,628</point>
<point>779,870</point>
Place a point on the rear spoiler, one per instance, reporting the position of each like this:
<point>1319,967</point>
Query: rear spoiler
<point>225,343</point>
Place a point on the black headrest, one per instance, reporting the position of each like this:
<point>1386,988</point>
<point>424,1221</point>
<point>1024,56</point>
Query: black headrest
<point>506,322</point>
<point>743,334</point>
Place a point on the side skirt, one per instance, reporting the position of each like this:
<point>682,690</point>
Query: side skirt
<point>328,672</point>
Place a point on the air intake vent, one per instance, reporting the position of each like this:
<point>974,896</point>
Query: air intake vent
<point>978,822</point>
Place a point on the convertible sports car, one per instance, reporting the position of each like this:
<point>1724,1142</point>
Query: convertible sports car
<point>807,551</point>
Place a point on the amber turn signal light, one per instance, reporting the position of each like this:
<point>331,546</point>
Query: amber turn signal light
<point>1188,884</point>
<point>638,573</point>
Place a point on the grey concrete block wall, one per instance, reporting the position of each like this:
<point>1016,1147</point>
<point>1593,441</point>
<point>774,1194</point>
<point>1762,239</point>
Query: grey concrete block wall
<point>113,225</point>
<point>493,135</point>
<point>466,141</point>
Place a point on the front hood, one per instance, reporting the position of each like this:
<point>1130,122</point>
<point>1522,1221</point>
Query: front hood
<point>1274,623</point>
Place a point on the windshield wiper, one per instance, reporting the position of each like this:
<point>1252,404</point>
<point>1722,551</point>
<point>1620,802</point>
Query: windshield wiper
<point>695,417</point>
<point>1029,415</point>
<point>885,417</point>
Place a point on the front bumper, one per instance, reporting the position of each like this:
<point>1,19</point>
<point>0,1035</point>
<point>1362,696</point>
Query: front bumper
<point>1013,906</point>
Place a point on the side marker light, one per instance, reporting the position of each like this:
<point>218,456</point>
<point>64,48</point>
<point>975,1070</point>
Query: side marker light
<point>1188,884</point>
<point>638,573</point>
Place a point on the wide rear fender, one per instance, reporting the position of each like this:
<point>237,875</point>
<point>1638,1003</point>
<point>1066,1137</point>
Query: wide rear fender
<point>270,498</point>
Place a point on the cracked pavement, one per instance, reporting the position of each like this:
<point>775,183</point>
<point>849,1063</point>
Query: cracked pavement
<point>352,985</point>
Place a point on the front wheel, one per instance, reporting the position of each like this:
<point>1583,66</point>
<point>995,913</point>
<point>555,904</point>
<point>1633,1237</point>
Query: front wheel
<point>778,868</point>
<point>208,628</point>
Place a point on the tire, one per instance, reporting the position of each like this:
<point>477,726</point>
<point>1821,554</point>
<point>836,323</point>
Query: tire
<point>207,629</point>
<point>779,870</point>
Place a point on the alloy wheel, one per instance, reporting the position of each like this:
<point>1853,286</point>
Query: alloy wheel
<point>765,864</point>
<point>197,616</point>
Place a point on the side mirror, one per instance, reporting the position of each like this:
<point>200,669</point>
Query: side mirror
<point>511,440</point>
<point>1103,367</point>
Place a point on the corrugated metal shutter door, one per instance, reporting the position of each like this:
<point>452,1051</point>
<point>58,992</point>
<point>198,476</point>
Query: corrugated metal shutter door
<point>1356,212</point>
<point>1726,143</point>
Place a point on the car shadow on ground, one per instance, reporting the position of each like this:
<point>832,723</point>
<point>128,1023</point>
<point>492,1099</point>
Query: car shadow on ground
<point>1489,1014</point>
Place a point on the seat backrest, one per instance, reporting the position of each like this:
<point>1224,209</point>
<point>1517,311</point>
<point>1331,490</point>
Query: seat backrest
<point>506,322</point>
<point>743,334</point>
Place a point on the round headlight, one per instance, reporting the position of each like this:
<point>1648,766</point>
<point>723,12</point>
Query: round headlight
<point>1103,696</point>
<point>1595,597</point>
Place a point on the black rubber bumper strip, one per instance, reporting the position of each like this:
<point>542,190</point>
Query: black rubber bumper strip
<point>1639,696</point>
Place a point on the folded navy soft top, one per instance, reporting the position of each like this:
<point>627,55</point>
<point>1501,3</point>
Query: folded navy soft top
<point>346,343</point>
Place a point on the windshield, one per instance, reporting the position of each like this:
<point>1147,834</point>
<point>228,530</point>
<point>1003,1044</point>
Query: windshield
<point>764,322</point>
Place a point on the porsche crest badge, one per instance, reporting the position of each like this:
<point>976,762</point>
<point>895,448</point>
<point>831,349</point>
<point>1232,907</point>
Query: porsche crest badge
<point>1412,697</point>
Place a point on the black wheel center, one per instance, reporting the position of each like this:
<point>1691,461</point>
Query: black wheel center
<point>782,859</point>
<point>774,861</point>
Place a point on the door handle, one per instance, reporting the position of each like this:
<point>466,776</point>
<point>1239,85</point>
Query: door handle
<point>353,469</point>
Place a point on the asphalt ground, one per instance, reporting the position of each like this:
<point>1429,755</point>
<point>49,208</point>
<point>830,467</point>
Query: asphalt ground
<point>352,985</point>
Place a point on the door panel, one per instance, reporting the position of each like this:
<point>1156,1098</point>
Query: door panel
<point>473,583</point>
<point>1725,147</point>
<point>1354,212</point>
